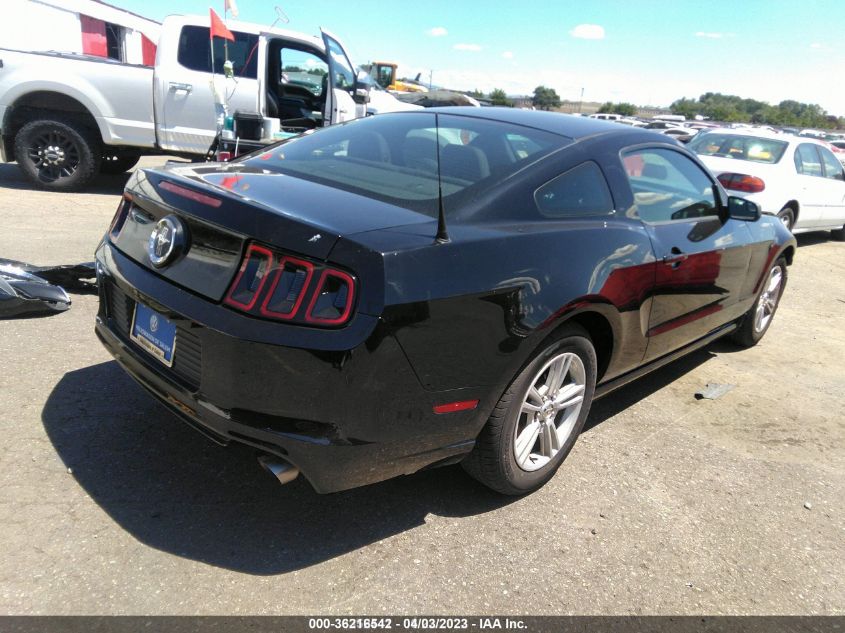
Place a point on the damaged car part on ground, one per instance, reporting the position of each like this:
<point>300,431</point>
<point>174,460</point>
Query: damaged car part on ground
<point>24,294</point>
<point>422,288</point>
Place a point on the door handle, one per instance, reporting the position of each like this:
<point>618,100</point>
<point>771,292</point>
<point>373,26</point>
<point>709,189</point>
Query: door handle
<point>180,86</point>
<point>675,257</point>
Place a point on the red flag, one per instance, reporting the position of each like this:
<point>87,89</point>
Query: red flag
<point>218,29</point>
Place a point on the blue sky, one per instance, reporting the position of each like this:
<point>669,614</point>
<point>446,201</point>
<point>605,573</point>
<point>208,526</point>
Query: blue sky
<point>646,52</point>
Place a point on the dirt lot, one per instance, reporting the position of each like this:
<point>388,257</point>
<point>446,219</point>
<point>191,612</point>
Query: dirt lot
<point>668,504</point>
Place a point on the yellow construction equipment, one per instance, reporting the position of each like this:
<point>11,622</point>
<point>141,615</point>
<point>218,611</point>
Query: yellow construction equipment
<point>385,75</point>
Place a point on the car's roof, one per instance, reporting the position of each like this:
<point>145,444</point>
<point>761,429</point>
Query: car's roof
<point>792,139</point>
<point>574,127</point>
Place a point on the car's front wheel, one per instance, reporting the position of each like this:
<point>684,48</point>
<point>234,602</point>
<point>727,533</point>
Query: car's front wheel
<point>758,319</point>
<point>538,419</point>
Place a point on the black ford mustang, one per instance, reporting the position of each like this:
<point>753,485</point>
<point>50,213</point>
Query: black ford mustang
<point>422,288</point>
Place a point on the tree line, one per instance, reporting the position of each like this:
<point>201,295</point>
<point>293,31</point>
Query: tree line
<point>732,108</point>
<point>713,105</point>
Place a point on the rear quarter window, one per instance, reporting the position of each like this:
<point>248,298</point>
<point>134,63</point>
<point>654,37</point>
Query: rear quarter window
<point>581,191</point>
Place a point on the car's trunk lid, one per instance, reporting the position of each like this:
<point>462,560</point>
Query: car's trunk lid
<point>223,210</point>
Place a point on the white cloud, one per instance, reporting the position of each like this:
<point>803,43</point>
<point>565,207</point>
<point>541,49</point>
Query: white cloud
<point>588,32</point>
<point>467,47</point>
<point>816,46</point>
<point>507,55</point>
<point>437,31</point>
<point>711,35</point>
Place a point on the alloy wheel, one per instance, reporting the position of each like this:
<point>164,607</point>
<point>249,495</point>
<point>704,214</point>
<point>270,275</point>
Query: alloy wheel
<point>768,301</point>
<point>549,411</point>
<point>54,156</point>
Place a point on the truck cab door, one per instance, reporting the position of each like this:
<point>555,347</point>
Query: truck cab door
<point>184,85</point>
<point>340,103</point>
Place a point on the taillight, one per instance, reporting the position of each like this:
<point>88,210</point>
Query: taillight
<point>332,302</point>
<point>120,216</point>
<point>255,268</point>
<point>742,182</point>
<point>277,286</point>
<point>287,291</point>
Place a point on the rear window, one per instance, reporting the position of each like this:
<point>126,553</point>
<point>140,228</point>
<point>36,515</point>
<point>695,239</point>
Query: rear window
<point>752,148</point>
<point>195,51</point>
<point>396,158</point>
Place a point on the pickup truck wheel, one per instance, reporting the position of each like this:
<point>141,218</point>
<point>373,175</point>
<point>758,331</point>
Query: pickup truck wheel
<point>57,155</point>
<point>117,164</point>
<point>538,419</point>
<point>758,319</point>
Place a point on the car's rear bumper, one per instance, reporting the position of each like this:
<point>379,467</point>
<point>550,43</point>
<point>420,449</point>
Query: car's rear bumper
<point>345,419</point>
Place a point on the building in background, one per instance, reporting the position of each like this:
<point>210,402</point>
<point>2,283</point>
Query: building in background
<point>90,27</point>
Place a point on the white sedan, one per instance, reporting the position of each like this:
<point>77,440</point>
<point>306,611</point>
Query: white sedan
<point>797,179</point>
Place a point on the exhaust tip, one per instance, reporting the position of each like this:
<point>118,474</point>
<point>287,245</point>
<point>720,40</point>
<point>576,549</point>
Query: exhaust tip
<point>284,471</point>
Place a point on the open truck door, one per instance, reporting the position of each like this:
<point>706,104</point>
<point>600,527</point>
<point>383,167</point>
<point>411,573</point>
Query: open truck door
<point>340,99</point>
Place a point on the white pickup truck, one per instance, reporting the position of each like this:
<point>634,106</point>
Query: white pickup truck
<point>66,117</point>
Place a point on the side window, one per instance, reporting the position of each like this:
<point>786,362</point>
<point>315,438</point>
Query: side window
<point>195,52</point>
<point>832,167</point>
<point>578,192</point>
<point>668,186</point>
<point>344,77</point>
<point>807,160</point>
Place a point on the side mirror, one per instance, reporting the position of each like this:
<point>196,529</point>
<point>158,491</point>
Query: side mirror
<point>362,95</point>
<point>742,209</point>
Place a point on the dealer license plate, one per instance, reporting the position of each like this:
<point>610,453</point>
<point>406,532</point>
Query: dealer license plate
<point>154,333</point>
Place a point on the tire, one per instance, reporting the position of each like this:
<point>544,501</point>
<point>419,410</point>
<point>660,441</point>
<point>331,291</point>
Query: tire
<point>787,216</point>
<point>117,164</point>
<point>517,451</point>
<point>757,320</point>
<point>57,155</point>
<point>838,234</point>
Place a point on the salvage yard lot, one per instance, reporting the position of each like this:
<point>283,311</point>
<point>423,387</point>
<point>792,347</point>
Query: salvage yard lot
<point>667,505</point>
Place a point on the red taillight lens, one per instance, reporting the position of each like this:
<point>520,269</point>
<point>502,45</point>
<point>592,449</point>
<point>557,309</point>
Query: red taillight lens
<point>293,276</point>
<point>277,286</point>
<point>254,271</point>
<point>120,216</point>
<point>742,182</point>
<point>332,302</point>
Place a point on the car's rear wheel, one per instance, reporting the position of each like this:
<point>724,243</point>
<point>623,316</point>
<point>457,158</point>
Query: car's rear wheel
<point>787,217</point>
<point>538,419</point>
<point>838,234</point>
<point>757,320</point>
<point>58,155</point>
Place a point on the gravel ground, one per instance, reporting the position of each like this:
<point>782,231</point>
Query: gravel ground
<point>667,505</point>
